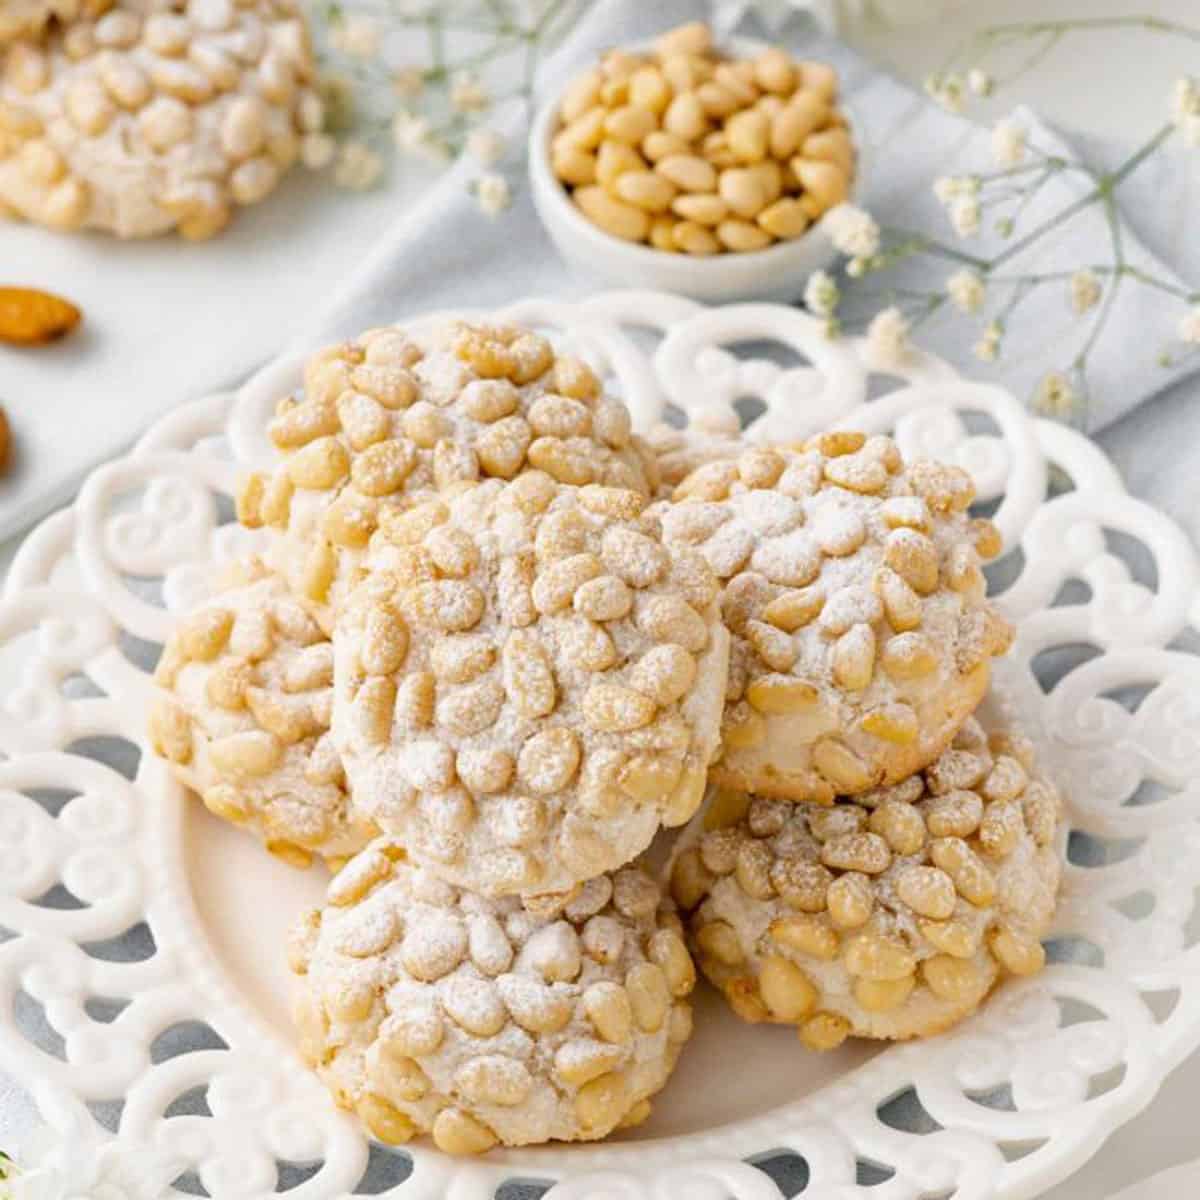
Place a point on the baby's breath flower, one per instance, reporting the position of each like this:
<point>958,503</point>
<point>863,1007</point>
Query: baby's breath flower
<point>408,82</point>
<point>468,95</point>
<point>967,290</point>
<point>1185,109</point>
<point>356,36</point>
<point>1055,397</point>
<point>948,188</point>
<point>964,216</point>
<point>856,268</point>
<point>358,167</point>
<point>987,349</point>
<point>852,230</point>
<point>948,90</point>
<point>887,338</point>
<point>409,130</point>
<point>1085,291</point>
<point>821,294</point>
<point>317,151</point>
<point>980,82</point>
<point>1185,100</point>
<point>1008,143</point>
<point>413,135</point>
<point>1189,326</point>
<point>493,193</point>
<point>486,146</point>
<point>831,329</point>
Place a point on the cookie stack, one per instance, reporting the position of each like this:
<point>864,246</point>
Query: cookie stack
<point>489,655</point>
<point>136,117</point>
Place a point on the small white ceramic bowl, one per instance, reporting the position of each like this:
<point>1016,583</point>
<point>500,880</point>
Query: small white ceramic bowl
<point>777,273</point>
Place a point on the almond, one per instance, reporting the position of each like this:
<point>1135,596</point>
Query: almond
<point>31,318</point>
<point>5,441</point>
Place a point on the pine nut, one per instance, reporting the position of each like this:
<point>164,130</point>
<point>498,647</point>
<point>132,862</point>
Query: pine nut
<point>786,990</point>
<point>457,1132</point>
<point>718,941</point>
<point>785,219</point>
<point>883,995</point>
<point>824,1031</point>
<point>954,937</point>
<point>825,185</point>
<point>494,1079</point>
<point>645,190</point>
<point>743,191</point>
<point>909,656</point>
<point>581,95</point>
<point>693,238</point>
<point>689,172</point>
<point>806,934</point>
<point>613,159</point>
<point>820,77</point>
<point>694,38</point>
<point>385,1121</point>
<point>629,124</point>
<point>667,950</point>
<point>804,113</point>
<point>649,90</point>
<point>742,236</point>
<point>599,1104</point>
<point>685,117</point>
<point>171,732</point>
<point>747,133</point>
<point>774,71</point>
<point>830,145</point>
<point>874,957</point>
<point>660,145</point>
<point>649,996</point>
<point>781,694</point>
<point>742,996</point>
<point>574,166</point>
<point>850,901</point>
<point>841,766</point>
<point>1018,955</point>
<point>953,979</point>
<point>690,880</point>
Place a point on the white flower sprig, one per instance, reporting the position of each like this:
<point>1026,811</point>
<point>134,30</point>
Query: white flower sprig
<point>986,286</point>
<point>399,84</point>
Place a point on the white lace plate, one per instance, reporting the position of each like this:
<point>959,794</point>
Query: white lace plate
<point>168,1049</point>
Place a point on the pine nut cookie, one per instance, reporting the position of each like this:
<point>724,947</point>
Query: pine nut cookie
<point>429,1010</point>
<point>889,916</point>
<point>853,591</point>
<point>29,18</point>
<point>528,683</point>
<point>679,452</point>
<point>243,719</point>
<point>152,118</point>
<point>395,413</point>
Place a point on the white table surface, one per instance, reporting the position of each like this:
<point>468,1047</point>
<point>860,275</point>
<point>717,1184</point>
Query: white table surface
<point>1100,83</point>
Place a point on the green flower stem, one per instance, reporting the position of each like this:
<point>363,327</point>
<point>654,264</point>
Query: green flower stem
<point>1104,187</point>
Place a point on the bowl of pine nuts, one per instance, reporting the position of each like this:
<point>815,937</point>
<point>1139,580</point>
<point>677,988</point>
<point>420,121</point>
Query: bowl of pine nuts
<point>701,170</point>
